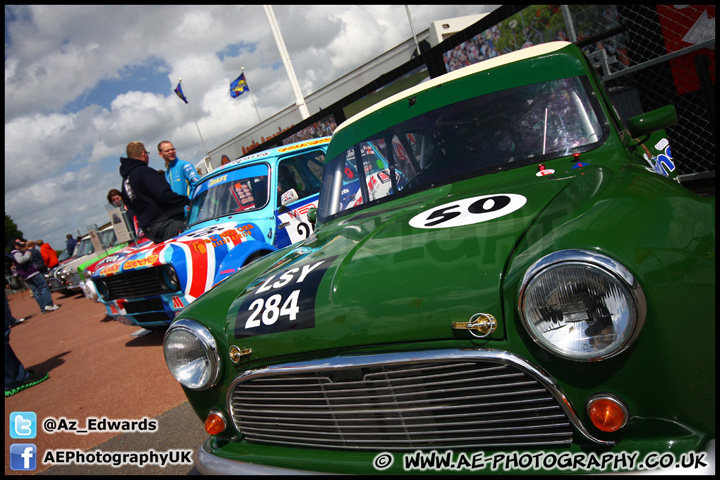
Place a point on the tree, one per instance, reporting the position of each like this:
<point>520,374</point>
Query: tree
<point>11,230</point>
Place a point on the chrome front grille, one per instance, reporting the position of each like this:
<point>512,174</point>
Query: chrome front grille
<point>401,402</point>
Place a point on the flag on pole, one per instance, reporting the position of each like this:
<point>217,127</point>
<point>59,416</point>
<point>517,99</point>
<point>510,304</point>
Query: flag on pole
<point>180,94</point>
<point>239,86</point>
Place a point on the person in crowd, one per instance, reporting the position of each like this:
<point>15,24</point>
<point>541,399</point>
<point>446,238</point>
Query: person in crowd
<point>22,259</point>
<point>181,175</point>
<point>17,378</point>
<point>36,257</point>
<point>70,245</point>
<point>160,211</point>
<point>48,253</point>
<point>114,197</point>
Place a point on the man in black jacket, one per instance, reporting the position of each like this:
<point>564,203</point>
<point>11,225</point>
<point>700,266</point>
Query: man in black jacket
<point>159,210</point>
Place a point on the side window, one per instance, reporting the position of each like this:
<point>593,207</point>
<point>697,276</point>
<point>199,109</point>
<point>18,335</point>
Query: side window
<point>311,165</point>
<point>302,173</point>
<point>289,178</point>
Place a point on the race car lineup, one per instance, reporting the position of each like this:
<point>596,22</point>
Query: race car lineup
<point>495,265</point>
<point>238,213</point>
<point>484,261</point>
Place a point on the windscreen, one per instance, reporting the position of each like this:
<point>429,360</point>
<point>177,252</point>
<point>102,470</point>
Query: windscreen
<point>108,238</point>
<point>85,247</point>
<point>478,136</point>
<point>239,190</point>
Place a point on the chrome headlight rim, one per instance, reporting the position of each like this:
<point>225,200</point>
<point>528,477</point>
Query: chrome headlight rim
<point>208,343</point>
<point>602,263</point>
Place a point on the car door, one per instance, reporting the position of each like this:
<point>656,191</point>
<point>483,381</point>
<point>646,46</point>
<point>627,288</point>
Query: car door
<point>298,184</point>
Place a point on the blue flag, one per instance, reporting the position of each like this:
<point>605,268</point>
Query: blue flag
<point>239,86</point>
<point>179,92</point>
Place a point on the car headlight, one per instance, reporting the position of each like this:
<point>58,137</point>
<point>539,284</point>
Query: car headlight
<point>581,305</point>
<point>191,354</point>
<point>170,278</point>
<point>102,289</point>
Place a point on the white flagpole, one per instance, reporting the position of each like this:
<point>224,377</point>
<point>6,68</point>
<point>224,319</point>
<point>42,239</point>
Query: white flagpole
<point>251,95</point>
<point>412,29</point>
<point>299,100</point>
<point>196,124</point>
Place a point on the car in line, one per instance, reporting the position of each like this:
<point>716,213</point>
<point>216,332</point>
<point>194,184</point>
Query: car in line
<point>67,277</point>
<point>59,278</point>
<point>504,277</point>
<point>238,213</point>
<point>86,271</point>
<point>53,282</point>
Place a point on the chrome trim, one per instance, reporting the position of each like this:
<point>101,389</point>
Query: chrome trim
<point>598,260</point>
<point>484,323</point>
<point>615,399</point>
<point>208,341</point>
<point>210,464</point>
<point>220,414</point>
<point>444,355</point>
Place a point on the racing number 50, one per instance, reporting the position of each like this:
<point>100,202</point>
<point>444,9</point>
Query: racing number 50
<point>468,211</point>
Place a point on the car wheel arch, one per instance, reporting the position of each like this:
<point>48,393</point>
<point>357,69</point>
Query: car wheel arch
<point>240,256</point>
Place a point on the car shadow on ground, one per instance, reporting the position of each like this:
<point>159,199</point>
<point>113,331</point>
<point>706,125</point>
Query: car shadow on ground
<point>65,294</point>
<point>152,338</point>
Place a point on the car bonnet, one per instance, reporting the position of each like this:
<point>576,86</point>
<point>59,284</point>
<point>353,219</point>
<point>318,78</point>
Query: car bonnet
<point>391,273</point>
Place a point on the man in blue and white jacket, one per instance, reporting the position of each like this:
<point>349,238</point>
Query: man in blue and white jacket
<point>181,175</point>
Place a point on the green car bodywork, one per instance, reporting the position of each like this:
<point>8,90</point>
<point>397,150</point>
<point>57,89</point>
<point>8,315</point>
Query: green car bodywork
<point>440,275</point>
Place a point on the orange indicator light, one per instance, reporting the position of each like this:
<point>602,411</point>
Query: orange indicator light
<point>214,423</point>
<point>607,413</point>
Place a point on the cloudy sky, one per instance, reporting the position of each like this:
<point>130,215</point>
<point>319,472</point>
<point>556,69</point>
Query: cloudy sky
<point>81,82</point>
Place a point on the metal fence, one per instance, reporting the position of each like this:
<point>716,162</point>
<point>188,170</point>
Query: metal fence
<point>653,55</point>
<point>647,56</point>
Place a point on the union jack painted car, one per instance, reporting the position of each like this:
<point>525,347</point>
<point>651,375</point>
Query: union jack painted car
<point>87,285</point>
<point>238,213</point>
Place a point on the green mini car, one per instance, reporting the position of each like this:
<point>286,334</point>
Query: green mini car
<point>504,278</point>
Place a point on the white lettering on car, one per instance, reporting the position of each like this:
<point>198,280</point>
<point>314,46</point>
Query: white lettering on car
<point>283,301</point>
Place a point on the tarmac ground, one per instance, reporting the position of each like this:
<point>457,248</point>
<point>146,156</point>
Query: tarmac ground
<point>99,368</point>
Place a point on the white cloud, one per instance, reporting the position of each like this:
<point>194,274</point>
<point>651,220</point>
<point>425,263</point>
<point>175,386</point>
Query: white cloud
<point>61,152</point>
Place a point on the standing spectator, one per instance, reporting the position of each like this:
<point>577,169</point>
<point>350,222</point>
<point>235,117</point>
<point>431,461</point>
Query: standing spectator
<point>114,197</point>
<point>22,258</point>
<point>17,378</point>
<point>181,175</point>
<point>48,254</point>
<point>70,245</point>
<point>36,257</point>
<point>159,210</point>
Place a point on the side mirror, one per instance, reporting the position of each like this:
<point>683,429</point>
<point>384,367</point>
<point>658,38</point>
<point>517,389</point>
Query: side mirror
<point>289,197</point>
<point>312,215</point>
<point>652,121</point>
